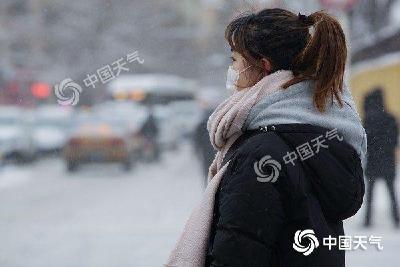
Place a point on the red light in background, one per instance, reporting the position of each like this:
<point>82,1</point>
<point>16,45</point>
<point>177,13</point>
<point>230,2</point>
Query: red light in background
<point>40,90</point>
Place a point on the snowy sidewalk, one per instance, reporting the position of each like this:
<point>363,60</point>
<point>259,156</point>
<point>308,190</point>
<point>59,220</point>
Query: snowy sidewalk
<point>99,216</point>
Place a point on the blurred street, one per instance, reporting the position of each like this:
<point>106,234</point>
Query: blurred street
<point>102,216</point>
<point>104,107</point>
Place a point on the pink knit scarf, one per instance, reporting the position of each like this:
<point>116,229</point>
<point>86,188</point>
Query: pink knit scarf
<point>224,126</point>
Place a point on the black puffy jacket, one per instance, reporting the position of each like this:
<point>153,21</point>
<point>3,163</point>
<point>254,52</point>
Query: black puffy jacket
<point>254,223</point>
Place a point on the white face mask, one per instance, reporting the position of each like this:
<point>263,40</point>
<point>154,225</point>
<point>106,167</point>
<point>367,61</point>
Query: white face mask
<point>232,78</point>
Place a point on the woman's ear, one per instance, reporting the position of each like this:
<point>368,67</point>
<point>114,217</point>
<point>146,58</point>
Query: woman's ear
<point>267,66</point>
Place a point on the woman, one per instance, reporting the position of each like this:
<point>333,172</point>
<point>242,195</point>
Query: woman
<point>290,147</point>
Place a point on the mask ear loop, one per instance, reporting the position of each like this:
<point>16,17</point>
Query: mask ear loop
<point>245,69</point>
<point>240,72</point>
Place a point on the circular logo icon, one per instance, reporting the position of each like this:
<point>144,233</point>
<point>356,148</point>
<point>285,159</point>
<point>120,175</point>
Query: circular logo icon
<point>71,98</point>
<point>308,235</point>
<point>264,164</point>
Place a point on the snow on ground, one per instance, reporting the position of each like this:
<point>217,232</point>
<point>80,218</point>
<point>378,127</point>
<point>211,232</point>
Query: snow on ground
<point>11,176</point>
<point>102,216</point>
<point>382,227</point>
<point>99,216</point>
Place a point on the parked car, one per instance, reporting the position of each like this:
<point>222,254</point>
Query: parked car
<point>101,136</point>
<point>16,141</point>
<point>51,124</point>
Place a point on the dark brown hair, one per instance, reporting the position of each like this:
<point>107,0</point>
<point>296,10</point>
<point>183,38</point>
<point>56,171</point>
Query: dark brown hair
<point>284,39</point>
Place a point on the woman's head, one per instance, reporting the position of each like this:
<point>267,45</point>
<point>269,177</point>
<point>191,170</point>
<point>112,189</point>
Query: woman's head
<point>277,39</point>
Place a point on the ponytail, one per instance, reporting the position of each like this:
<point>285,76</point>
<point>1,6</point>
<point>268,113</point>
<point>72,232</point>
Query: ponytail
<point>323,59</point>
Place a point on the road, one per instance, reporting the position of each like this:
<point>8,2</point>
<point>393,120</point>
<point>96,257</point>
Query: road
<point>100,216</point>
<point>103,216</point>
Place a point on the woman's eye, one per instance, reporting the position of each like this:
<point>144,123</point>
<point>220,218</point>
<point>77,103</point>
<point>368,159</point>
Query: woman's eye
<point>232,59</point>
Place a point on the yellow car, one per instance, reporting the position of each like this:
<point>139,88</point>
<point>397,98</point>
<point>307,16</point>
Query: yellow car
<point>99,141</point>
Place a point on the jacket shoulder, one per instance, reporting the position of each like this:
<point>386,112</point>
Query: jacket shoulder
<point>260,144</point>
<point>261,158</point>
<point>264,145</point>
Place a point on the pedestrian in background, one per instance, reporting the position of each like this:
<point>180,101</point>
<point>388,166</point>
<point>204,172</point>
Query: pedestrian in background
<point>202,144</point>
<point>382,133</point>
<point>208,98</point>
<point>150,132</point>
